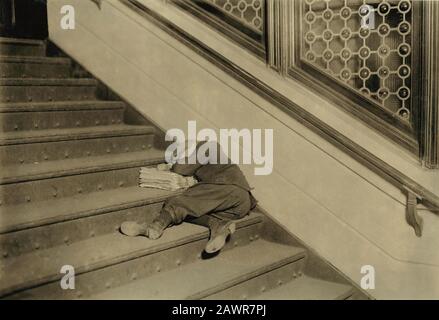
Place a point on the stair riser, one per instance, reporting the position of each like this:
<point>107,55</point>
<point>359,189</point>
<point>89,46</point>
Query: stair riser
<point>122,273</point>
<point>56,188</point>
<point>21,121</point>
<point>270,280</point>
<point>29,240</point>
<point>34,70</point>
<point>73,149</point>
<point>7,49</point>
<point>46,93</point>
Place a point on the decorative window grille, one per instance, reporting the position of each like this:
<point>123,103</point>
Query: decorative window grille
<point>247,12</point>
<point>375,58</point>
<point>360,53</point>
<point>372,58</point>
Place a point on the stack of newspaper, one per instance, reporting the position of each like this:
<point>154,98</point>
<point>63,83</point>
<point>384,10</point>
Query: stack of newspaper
<point>166,180</point>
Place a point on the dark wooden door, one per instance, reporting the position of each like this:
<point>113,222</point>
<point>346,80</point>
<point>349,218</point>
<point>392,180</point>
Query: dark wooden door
<point>23,19</point>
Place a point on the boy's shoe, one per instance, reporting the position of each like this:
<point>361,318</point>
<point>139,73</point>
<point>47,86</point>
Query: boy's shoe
<point>152,230</point>
<point>218,236</point>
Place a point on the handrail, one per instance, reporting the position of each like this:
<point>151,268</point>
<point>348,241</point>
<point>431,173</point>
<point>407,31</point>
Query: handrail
<point>389,173</point>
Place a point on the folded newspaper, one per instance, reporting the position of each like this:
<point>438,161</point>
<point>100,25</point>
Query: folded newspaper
<point>165,180</point>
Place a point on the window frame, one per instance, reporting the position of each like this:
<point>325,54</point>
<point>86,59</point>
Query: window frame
<point>420,137</point>
<point>292,66</point>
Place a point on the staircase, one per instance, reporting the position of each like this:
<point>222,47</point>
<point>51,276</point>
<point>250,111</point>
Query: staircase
<point>70,164</point>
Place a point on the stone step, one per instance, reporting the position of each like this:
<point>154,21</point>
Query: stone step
<point>308,288</point>
<point>45,224</point>
<point>40,146</point>
<point>34,67</point>
<point>70,167</point>
<point>67,106</point>
<point>67,134</point>
<point>207,277</point>
<point>58,115</point>
<point>112,260</point>
<point>64,186</point>
<point>34,90</point>
<point>260,283</point>
<point>22,47</point>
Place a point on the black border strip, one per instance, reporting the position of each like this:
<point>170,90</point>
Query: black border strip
<point>363,156</point>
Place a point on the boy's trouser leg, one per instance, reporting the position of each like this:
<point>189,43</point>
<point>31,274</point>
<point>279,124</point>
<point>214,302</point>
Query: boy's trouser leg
<point>212,206</point>
<point>152,230</point>
<point>220,229</point>
<point>223,201</point>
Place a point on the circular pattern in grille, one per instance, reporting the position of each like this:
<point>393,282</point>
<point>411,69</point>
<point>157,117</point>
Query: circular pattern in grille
<point>371,59</point>
<point>248,12</point>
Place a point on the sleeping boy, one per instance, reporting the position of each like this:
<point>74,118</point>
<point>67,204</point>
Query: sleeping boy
<point>221,196</point>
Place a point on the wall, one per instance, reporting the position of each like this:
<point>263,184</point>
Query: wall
<point>348,214</point>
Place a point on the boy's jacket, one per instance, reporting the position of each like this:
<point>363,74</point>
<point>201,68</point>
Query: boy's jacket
<point>213,173</point>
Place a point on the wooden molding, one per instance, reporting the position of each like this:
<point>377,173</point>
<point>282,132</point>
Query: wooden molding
<point>430,85</point>
<point>274,21</point>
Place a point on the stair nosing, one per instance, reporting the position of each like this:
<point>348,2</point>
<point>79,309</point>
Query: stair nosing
<point>348,290</point>
<point>34,60</point>
<point>292,255</point>
<point>346,295</point>
<point>22,41</point>
<point>53,82</point>
<point>4,292</point>
<point>75,215</point>
<point>81,105</point>
<point>82,134</point>
<point>248,276</point>
<point>82,170</point>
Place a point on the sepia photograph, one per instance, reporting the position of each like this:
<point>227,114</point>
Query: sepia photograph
<point>220,150</point>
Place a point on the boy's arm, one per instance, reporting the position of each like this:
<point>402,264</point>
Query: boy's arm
<point>190,169</point>
<point>185,169</point>
<point>181,169</point>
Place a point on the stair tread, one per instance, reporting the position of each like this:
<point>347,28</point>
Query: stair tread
<point>22,41</point>
<point>49,135</point>
<point>308,288</point>
<point>60,106</point>
<point>94,253</point>
<point>58,168</point>
<point>48,82</point>
<point>19,217</point>
<point>205,277</point>
<point>34,59</point>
